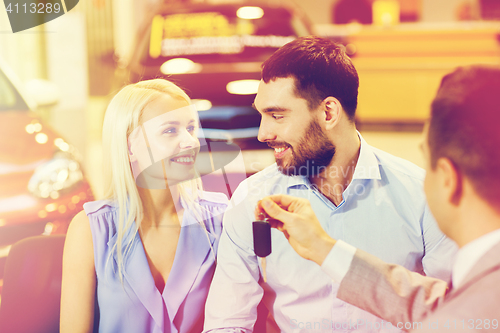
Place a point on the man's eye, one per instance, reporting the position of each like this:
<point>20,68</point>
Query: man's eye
<point>276,116</point>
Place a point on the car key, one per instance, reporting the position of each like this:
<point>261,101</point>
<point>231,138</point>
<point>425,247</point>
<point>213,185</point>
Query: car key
<point>262,241</point>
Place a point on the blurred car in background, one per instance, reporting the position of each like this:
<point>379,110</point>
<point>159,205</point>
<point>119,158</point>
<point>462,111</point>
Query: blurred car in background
<point>214,52</point>
<point>42,185</point>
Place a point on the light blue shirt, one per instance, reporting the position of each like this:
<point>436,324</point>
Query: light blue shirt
<point>137,305</point>
<point>383,212</point>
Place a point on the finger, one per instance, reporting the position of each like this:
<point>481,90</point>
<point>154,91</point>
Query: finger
<point>276,224</point>
<point>274,211</point>
<point>258,212</point>
<point>284,201</point>
<point>287,235</point>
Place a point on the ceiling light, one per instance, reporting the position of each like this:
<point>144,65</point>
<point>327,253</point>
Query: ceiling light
<point>179,66</point>
<point>243,87</point>
<point>202,104</point>
<point>250,12</point>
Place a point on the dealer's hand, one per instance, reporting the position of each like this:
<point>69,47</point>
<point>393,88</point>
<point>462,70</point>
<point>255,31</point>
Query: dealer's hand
<point>296,219</point>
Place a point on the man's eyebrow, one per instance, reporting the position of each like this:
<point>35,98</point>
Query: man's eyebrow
<point>271,109</point>
<point>276,109</point>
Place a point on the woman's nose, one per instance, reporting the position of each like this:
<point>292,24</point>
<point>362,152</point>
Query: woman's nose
<point>188,140</point>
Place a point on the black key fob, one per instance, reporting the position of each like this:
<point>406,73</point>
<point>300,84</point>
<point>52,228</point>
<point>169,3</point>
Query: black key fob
<point>261,238</point>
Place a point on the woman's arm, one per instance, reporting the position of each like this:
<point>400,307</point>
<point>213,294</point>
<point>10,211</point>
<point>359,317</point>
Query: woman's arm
<point>79,278</point>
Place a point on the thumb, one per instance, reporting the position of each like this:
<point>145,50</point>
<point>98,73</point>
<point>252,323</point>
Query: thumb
<point>274,211</point>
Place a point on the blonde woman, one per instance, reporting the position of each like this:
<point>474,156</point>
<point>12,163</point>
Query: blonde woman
<point>143,259</point>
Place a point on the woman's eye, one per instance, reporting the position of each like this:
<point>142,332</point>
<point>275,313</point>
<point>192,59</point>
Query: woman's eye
<point>191,129</point>
<point>170,130</point>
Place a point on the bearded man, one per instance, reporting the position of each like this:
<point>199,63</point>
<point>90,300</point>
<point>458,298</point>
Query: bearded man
<point>364,196</point>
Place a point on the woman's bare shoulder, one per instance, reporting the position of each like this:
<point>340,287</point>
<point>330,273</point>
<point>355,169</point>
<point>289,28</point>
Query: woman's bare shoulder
<point>79,233</point>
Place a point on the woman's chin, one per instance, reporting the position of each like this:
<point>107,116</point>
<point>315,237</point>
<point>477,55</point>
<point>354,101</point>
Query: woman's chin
<point>179,178</point>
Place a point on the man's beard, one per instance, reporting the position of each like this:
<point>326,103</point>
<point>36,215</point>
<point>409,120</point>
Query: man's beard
<point>312,154</point>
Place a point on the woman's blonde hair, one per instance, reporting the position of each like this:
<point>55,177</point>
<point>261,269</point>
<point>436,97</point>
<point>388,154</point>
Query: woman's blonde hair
<point>122,117</point>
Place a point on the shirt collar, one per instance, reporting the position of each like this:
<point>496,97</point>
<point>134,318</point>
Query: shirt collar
<point>298,180</point>
<point>367,166</point>
<point>470,253</point>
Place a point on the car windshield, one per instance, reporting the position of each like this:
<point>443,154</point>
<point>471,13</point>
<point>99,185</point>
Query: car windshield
<point>219,34</point>
<point>9,97</point>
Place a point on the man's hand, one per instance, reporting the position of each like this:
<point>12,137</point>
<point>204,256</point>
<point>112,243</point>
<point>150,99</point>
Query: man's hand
<point>296,219</point>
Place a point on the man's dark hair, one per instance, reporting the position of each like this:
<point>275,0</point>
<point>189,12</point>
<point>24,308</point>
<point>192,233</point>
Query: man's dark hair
<point>320,68</point>
<point>465,127</point>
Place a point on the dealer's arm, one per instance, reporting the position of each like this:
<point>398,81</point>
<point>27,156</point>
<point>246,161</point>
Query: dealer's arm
<point>388,291</point>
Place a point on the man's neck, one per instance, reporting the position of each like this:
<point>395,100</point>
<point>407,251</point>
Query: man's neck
<point>484,223</point>
<point>471,218</point>
<point>338,174</point>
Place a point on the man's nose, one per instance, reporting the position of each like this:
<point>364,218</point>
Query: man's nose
<point>266,132</point>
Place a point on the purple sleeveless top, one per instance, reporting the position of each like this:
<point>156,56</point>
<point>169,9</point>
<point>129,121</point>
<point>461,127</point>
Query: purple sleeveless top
<point>137,305</point>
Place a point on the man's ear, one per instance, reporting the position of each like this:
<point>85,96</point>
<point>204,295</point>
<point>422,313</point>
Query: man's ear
<point>332,111</point>
<point>451,179</point>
